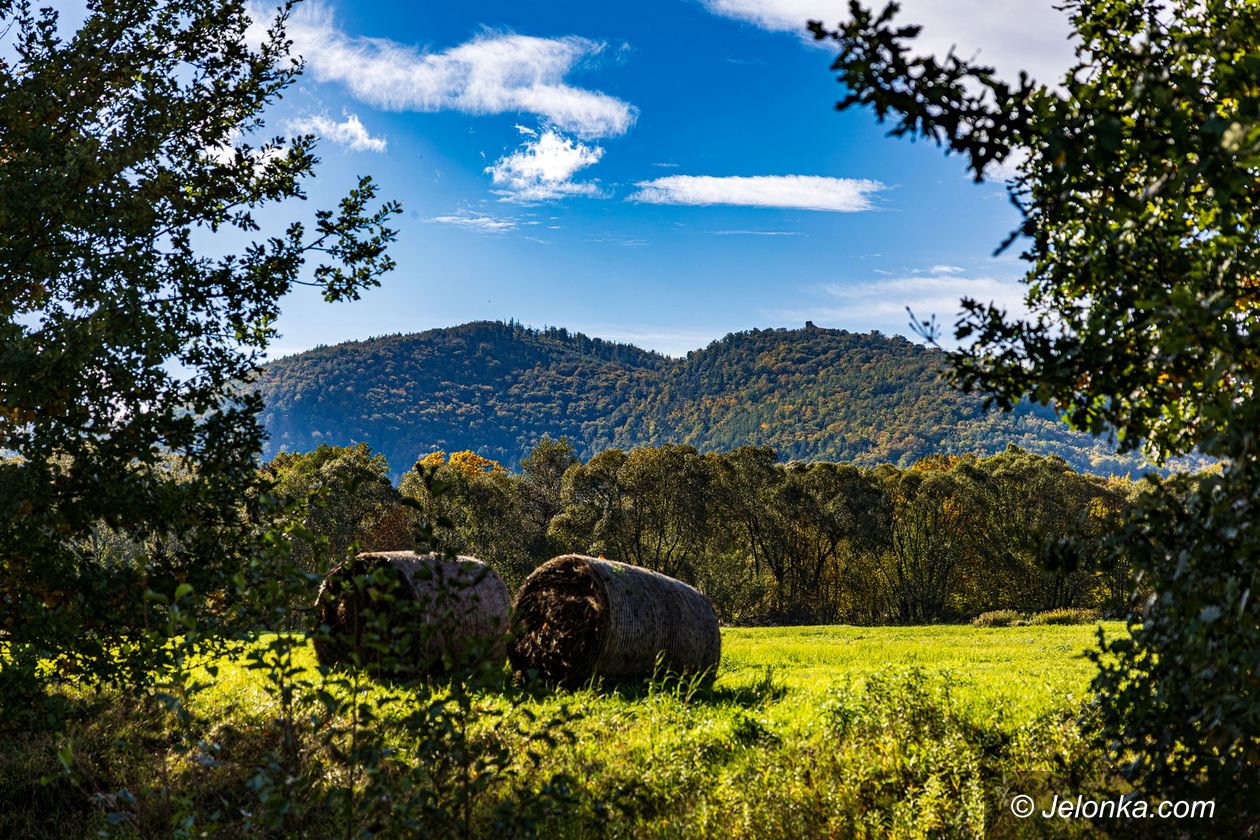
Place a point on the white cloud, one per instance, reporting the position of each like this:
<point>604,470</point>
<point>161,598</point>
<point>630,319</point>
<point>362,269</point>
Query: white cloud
<point>225,153</point>
<point>543,168</point>
<point>349,132</point>
<point>1011,35</point>
<point>1006,170</point>
<point>784,15</point>
<point>479,222</point>
<point>494,73</point>
<point>800,192</point>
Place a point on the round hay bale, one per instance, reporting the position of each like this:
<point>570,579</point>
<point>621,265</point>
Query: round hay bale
<point>443,612</point>
<point>577,617</point>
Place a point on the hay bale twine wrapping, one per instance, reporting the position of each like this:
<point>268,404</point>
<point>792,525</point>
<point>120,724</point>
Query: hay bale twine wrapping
<point>577,617</point>
<point>458,609</point>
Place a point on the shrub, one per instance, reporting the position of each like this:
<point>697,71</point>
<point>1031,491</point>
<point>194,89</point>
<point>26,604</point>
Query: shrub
<point>1178,692</point>
<point>928,776</point>
<point>1066,615</point>
<point>999,618</point>
<point>912,760</point>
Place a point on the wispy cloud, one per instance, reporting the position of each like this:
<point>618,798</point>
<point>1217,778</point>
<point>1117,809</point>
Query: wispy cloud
<point>479,222</point>
<point>494,73</point>
<point>799,192</point>
<point>349,132</point>
<point>671,342</point>
<point>756,233</point>
<point>881,304</point>
<point>616,239</point>
<point>543,168</point>
<point>1014,35</point>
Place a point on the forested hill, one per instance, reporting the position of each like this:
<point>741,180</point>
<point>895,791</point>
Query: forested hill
<point>812,394</point>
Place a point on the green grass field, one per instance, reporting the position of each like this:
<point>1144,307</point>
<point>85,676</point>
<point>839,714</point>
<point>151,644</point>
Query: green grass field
<point>1020,671</point>
<point>808,731</point>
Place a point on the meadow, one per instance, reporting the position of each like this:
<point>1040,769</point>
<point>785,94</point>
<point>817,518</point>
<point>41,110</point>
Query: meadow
<point>833,731</point>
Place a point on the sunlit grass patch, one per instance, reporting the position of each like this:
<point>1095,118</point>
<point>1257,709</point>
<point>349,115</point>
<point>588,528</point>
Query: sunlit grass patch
<point>808,731</point>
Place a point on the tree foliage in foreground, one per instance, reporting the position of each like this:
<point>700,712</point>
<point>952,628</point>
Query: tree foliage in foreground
<point>1139,200</point>
<point>130,149</point>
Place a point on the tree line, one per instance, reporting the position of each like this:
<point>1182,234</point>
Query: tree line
<point>945,539</point>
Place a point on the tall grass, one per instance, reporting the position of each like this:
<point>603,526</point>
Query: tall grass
<point>847,732</point>
<point>1014,618</point>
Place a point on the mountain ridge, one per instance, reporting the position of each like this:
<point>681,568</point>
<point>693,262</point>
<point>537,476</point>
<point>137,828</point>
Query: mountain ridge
<point>497,388</point>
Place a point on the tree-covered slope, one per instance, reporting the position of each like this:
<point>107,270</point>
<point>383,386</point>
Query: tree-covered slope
<point>492,387</point>
<point>498,388</point>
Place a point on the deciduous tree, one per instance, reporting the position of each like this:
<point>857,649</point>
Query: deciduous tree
<point>1138,190</point>
<point>132,150</point>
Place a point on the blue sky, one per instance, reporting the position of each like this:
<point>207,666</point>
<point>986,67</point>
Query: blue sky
<point>662,173</point>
